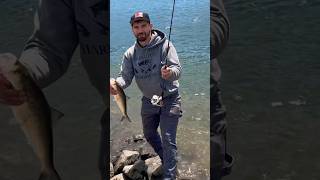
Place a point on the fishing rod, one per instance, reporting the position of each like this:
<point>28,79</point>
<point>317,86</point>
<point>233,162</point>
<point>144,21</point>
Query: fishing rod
<point>157,100</point>
<point>166,60</point>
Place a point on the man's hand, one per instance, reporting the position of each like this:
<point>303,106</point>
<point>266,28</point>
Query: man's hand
<point>9,95</point>
<point>113,90</point>
<point>166,72</point>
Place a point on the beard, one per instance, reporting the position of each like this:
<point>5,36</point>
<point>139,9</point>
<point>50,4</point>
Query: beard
<point>142,36</point>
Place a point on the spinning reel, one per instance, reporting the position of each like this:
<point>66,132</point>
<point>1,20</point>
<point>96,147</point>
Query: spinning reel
<point>157,100</point>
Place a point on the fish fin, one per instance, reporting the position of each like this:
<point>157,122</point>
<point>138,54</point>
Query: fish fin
<point>128,119</point>
<point>56,115</point>
<point>125,118</point>
<point>52,175</point>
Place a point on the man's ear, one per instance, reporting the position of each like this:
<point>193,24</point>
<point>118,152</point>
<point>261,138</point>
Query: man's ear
<point>151,25</point>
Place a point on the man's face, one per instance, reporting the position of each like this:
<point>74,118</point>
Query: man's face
<point>141,30</point>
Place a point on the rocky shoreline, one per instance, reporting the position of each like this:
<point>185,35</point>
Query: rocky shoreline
<point>137,163</point>
<point>134,159</point>
<point>134,165</point>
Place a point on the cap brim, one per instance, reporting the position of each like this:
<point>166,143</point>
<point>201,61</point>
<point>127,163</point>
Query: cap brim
<point>140,19</point>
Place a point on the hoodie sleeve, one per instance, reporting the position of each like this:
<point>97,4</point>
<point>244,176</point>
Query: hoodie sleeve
<point>173,62</point>
<point>126,72</point>
<point>219,27</point>
<point>47,53</point>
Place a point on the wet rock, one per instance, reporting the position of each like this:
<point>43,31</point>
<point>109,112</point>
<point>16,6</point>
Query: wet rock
<point>147,151</point>
<point>126,158</point>
<point>118,177</point>
<point>154,167</point>
<point>136,171</point>
<point>147,155</point>
<point>114,158</point>
<point>111,170</point>
<point>126,169</point>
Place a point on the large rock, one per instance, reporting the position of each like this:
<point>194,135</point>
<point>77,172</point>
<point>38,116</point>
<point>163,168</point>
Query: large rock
<point>135,171</point>
<point>154,167</point>
<point>111,170</point>
<point>118,177</point>
<point>126,158</point>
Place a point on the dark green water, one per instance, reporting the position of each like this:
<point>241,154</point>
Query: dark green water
<point>273,56</point>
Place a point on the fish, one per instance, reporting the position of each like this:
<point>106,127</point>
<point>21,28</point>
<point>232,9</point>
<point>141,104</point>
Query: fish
<point>34,115</point>
<point>121,100</point>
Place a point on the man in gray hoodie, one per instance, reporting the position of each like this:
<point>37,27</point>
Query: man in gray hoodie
<point>156,69</point>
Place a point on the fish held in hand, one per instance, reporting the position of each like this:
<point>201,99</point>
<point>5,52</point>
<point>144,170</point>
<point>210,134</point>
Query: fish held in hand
<point>121,100</point>
<point>33,115</point>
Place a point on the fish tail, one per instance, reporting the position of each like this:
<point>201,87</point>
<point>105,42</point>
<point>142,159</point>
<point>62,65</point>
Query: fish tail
<point>51,175</point>
<point>125,118</point>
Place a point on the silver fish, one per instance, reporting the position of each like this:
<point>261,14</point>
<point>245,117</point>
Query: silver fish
<point>34,115</point>
<point>121,100</point>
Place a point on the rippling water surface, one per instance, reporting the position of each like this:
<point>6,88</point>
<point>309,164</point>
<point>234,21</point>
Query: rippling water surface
<point>273,58</point>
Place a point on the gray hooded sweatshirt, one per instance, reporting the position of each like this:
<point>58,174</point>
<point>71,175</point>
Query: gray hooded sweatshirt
<point>144,63</point>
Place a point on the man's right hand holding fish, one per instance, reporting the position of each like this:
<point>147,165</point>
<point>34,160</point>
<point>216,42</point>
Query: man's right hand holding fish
<point>9,95</point>
<point>113,90</point>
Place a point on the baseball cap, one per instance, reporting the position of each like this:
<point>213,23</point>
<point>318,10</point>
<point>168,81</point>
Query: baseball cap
<point>139,16</point>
